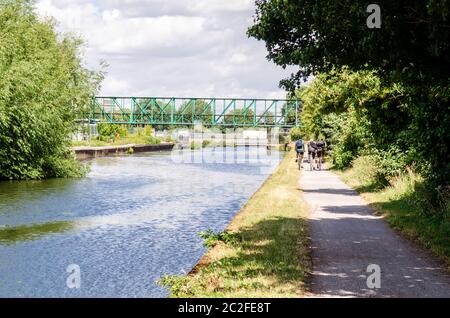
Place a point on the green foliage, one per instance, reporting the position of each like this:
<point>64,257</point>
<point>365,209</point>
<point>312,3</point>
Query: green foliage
<point>373,104</point>
<point>175,284</point>
<point>144,135</point>
<point>151,140</point>
<point>347,137</point>
<point>194,145</point>
<point>390,162</point>
<point>111,131</point>
<point>358,114</point>
<point>290,113</point>
<point>296,134</point>
<point>43,86</point>
<point>148,131</point>
<point>211,238</point>
<point>240,116</point>
<point>335,107</point>
<point>319,34</point>
<point>198,112</point>
<point>395,78</point>
<point>205,143</point>
<point>116,135</point>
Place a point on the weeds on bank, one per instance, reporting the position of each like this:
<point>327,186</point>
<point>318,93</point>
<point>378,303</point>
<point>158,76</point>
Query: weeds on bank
<point>210,238</point>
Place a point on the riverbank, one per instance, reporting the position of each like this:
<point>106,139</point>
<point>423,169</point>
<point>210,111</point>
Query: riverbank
<point>83,153</point>
<point>263,253</point>
<point>403,206</point>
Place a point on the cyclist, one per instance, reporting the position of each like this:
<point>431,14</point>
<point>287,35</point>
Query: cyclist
<point>320,152</point>
<point>312,151</point>
<point>300,152</point>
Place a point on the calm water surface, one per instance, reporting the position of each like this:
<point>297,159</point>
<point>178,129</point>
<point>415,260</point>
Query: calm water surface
<point>132,220</point>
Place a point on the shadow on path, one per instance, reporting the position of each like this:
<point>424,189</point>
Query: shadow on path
<point>347,237</point>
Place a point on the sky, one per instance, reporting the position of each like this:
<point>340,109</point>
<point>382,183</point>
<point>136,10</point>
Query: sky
<point>173,48</point>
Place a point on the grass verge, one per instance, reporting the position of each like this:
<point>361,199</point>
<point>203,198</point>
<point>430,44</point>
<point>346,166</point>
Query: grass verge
<point>130,139</point>
<point>263,253</point>
<point>404,206</point>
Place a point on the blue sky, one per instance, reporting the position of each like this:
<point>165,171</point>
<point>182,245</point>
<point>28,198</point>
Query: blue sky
<point>171,47</point>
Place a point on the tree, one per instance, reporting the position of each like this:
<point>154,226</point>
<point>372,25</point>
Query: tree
<point>289,112</point>
<point>411,50</point>
<point>201,112</point>
<point>43,86</point>
<point>316,35</point>
<point>239,117</point>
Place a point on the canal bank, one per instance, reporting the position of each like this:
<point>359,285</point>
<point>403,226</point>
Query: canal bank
<point>84,153</point>
<point>263,253</point>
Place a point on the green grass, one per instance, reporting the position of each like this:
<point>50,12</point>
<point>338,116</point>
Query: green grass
<point>404,205</point>
<point>90,143</point>
<point>263,253</point>
<point>137,139</point>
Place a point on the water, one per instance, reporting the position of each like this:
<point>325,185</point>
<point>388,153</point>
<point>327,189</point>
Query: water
<point>130,221</point>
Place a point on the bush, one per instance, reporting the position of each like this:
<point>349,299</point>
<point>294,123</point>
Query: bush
<point>110,131</point>
<point>205,143</point>
<point>390,162</point>
<point>346,138</point>
<point>63,167</point>
<point>296,134</point>
<point>380,167</point>
<point>43,86</point>
<point>366,171</point>
<point>369,172</point>
<point>151,140</point>
<point>195,145</point>
<point>342,159</point>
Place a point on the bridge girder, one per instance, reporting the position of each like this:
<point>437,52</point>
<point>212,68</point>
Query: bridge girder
<point>212,112</point>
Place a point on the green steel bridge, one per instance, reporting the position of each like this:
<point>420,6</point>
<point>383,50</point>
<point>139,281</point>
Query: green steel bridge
<point>211,112</point>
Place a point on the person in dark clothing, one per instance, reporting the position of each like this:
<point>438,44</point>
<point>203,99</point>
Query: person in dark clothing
<point>312,151</point>
<point>320,153</point>
<point>300,152</point>
<point>321,145</point>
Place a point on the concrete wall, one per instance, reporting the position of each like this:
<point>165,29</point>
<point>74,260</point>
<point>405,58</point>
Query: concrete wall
<point>83,153</point>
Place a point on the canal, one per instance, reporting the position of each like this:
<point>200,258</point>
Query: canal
<point>130,221</point>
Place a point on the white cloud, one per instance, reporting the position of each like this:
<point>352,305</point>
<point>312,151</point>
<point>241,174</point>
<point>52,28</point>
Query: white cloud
<point>151,35</point>
<point>219,5</point>
<point>110,15</point>
<point>171,47</point>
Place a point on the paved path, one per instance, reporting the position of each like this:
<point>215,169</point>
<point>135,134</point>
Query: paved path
<point>347,237</point>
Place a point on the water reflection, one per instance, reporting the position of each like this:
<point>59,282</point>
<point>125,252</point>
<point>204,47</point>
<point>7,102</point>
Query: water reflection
<point>130,221</point>
<point>16,234</point>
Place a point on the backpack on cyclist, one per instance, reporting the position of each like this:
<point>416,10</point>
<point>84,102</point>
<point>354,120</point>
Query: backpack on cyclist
<point>312,147</point>
<point>320,144</point>
<point>299,145</point>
